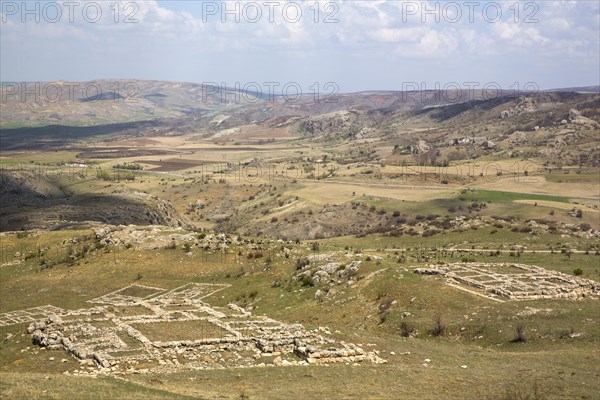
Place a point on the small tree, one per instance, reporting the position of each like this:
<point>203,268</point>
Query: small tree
<point>569,253</point>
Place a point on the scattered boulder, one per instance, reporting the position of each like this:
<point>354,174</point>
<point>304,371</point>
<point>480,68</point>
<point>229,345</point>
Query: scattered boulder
<point>420,148</point>
<point>576,117</point>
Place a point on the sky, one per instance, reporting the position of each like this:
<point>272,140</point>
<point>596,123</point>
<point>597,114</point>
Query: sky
<point>348,45</point>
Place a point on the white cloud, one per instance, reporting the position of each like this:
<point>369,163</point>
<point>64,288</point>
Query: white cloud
<point>398,34</point>
<point>558,25</point>
<point>369,30</point>
<point>434,44</point>
<point>519,35</point>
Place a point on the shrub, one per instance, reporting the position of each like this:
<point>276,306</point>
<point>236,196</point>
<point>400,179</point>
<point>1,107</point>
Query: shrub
<point>577,272</point>
<point>519,334</point>
<point>522,391</point>
<point>406,329</point>
<point>585,227</point>
<point>430,232</point>
<point>258,254</point>
<point>385,303</point>
<point>46,264</point>
<point>308,281</point>
<point>438,326</point>
<point>104,175</point>
<point>383,317</point>
<point>244,396</point>
<point>301,263</point>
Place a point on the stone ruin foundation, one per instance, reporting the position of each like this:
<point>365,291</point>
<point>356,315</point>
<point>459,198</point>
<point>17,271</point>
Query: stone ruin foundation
<point>507,281</point>
<point>141,329</point>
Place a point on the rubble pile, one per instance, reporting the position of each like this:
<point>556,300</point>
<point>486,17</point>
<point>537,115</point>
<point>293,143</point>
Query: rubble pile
<point>323,269</point>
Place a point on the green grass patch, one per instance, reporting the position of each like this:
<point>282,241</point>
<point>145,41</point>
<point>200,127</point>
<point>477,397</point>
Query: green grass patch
<point>494,196</point>
<point>572,178</point>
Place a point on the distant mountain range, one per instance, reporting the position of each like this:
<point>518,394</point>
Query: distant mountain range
<point>581,89</point>
<point>154,108</point>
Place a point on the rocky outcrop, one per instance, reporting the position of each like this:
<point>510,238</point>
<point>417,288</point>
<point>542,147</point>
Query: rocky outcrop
<point>341,122</point>
<point>158,237</point>
<point>161,212</point>
<point>575,117</point>
<point>420,148</point>
<point>522,105</point>
<point>320,270</point>
<point>517,138</point>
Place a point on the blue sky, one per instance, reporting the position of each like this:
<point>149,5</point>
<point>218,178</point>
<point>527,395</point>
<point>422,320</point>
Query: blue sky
<point>366,45</point>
